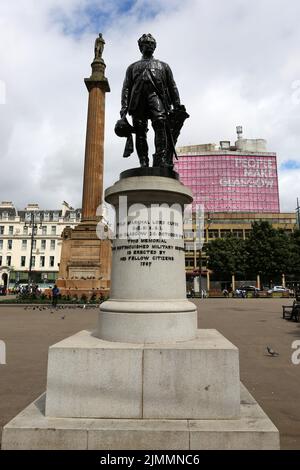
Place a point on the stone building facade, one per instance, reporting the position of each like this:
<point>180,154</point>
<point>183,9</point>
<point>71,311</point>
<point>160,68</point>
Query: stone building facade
<point>16,240</point>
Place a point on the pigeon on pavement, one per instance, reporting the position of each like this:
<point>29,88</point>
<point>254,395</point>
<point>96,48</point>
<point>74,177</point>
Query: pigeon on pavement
<point>271,352</point>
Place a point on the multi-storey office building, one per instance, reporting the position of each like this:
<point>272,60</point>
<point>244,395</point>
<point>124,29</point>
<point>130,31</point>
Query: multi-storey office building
<point>225,178</point>
<point>234,186</point>
<point>17,242</point>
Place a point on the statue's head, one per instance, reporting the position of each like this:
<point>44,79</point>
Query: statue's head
<point>147,43</point>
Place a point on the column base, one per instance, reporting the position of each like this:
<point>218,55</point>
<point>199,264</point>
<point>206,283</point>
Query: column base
<point>141,321</point>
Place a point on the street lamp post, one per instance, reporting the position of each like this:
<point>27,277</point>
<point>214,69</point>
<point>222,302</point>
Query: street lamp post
<point>199,229</point>
<point>200,270</point>
<point>33,225</point>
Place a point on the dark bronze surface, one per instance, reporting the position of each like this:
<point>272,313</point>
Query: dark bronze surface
<point>150,171</point>
<point>150,92</point>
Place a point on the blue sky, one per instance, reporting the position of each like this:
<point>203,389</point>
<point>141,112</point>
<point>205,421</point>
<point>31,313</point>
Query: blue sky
<point>99,15</point>
<point>290,165</point>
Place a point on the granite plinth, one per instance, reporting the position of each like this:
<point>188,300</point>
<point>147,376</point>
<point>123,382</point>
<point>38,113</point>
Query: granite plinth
<point>32,430</point>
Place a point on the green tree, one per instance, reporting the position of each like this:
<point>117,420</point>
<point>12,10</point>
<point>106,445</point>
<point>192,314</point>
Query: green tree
<point>295,254</point>
<point>268,251</point>
<point>227,256</point>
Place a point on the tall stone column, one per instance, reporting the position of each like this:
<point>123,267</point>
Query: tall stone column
<point>97,86</point>
<point>85,259</point>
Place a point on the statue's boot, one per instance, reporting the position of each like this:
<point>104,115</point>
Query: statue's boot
<point>160,159</point>
<point>144,162</point>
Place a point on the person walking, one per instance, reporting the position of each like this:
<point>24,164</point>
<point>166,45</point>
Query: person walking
<point>55,294</point>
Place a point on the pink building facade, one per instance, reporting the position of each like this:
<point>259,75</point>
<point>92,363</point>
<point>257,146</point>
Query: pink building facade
<point>231,181</point>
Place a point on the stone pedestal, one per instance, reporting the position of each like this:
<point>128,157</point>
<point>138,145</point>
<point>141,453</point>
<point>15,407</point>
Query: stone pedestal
<point>146,378</point>
<point>148,293</point>
<point>196,379</point>
<point>85,264</point>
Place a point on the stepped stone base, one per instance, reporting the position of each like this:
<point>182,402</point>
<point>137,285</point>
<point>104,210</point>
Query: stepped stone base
<point>32,430</point>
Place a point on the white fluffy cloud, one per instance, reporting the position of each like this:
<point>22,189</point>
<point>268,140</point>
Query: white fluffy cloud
<point>235,62</point>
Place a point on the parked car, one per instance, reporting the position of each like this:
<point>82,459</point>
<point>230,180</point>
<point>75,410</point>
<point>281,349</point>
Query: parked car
<point>3,290</point>
<point>278,289</point>
<point>243,290</point>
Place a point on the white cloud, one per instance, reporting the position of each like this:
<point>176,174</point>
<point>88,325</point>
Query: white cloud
<point>234,62</point>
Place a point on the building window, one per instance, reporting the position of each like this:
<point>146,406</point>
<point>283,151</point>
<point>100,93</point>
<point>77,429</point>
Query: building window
<point>238,233</point>
<point>33,261</point>
<point>43,244</point>
<point>213,233</point>
<point>8,261</point>
<point>24,244</point>
<point>51,261</point>
<point>42,261</point>
<point>225,233</point>
<point>1,229</point>
<point>9,244</point>
<point>11,230</point>
<point>53,230</point>
<point>189,263</point>
<point>1,244</point>
<point>52,245</point>
<point>25,230</point>
<point>55,216</point>
<point>23,261</point>
<point>44,230</point>
<point>33,244</point>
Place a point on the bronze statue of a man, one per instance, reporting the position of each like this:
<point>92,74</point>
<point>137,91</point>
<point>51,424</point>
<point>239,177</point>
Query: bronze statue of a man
<point>149,92</point>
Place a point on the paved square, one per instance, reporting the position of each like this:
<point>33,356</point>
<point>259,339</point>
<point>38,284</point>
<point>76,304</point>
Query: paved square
<point>250,324</point>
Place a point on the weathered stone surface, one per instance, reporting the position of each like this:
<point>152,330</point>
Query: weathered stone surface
<point>145,322</point>
<point>138,434</point>
<point>192,379</point>
<point>90,377</point>
<point>254,430</point>
<point>32,430</point>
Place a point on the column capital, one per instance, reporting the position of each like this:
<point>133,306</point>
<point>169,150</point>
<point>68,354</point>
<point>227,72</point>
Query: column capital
<point>92,83</point>
<point>97,79</point>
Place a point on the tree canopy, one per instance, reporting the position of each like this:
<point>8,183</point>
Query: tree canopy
<point>267,251</point>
